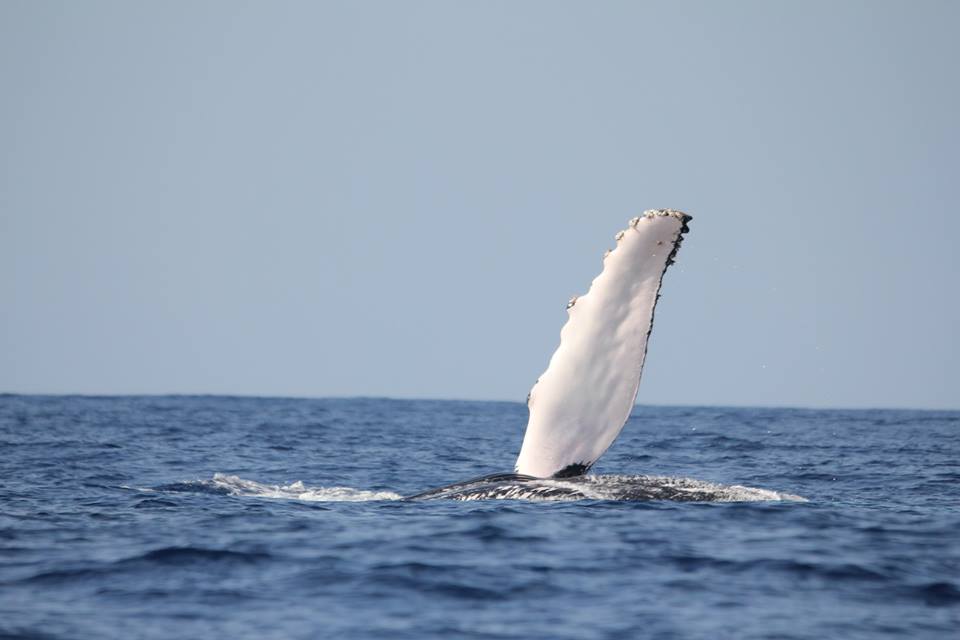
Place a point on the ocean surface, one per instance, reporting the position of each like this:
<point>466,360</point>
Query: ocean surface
<point>219,517</point>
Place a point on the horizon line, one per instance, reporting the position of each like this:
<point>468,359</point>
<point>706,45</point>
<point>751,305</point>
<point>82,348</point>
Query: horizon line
<point>452,399</point>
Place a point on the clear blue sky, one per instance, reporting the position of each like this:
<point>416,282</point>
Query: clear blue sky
<point>398,198</point>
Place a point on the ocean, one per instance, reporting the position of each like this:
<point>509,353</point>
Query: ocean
<point>227,517</point>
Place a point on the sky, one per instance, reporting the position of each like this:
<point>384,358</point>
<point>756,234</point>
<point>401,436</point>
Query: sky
<point>398,198</point>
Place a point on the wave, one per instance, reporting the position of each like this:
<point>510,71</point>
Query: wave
<point>154,558</point>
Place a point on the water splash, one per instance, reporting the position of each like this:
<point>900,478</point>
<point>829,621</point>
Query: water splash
<point>226,484</point>
<point>608,487</point>
<point>589,487</point>
<point>602,487</point>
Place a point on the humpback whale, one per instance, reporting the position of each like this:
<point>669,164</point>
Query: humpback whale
<point>579,405</point>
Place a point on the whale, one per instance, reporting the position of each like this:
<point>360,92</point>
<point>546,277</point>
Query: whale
<point>579,405</point>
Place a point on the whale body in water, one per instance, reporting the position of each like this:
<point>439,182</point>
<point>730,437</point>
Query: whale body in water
<point>579,405</point>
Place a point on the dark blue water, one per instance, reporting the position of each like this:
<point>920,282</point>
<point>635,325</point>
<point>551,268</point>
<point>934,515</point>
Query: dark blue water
<point>275,518</point>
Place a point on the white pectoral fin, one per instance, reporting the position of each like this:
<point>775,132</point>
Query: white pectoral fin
<point>581,402</point>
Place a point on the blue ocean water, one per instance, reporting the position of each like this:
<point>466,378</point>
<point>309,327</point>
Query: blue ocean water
<point>182,517</point>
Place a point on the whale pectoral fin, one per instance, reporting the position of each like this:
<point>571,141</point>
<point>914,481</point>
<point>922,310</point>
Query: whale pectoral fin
<point>572,470</point>
<point>581,402</point>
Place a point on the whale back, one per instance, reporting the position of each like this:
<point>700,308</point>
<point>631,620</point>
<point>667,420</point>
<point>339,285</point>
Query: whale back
<point>581,402</point>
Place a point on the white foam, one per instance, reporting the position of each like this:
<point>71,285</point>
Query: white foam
<point>606,487</point>
<point>590,487</point>
<point>237,486</point>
